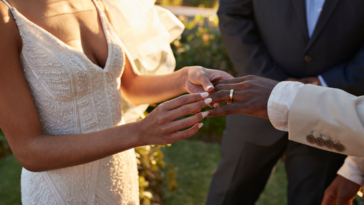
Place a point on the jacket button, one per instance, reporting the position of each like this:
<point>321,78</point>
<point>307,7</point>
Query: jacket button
<point>311,139</point>
<point>307,59</point>
<point>320,142</point>
<point>329,144</point>
<point>339,147</point>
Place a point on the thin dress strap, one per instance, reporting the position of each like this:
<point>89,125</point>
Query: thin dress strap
<point>7,4</point>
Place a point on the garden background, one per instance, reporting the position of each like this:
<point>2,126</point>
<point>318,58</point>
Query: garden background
<point>178,174</point>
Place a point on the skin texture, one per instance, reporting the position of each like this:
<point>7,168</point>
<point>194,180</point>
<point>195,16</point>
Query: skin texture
<point>251,94</point>
<point>308,80</point>
<point>77,24</point>
<point>340,192</point>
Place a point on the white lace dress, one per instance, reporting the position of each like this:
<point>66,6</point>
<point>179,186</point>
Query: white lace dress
<point>73,96</point>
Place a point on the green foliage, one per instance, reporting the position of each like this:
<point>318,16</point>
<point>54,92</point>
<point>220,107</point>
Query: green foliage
<point>151,181</point>
<point>201,44</point>
<point>10,171</point>
<point>4,146</point>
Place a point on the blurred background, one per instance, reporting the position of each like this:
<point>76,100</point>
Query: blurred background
<point>179,174</point>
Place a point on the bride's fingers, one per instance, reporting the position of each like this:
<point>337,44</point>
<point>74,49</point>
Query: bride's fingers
<point>205,82</point>
<point>181,135</point>
<point>191,108</point>
<point>183,100</point>
<point>226,110</point>
<point>216,105</point>
<point>185,123</point>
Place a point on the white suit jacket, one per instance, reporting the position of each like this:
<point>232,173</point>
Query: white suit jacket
<point>327,115</point>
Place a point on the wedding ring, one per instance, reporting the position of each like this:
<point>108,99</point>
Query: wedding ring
<point>231,96</point>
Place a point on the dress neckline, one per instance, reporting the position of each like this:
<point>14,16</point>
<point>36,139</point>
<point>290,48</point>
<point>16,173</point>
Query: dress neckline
<point>61,43</point>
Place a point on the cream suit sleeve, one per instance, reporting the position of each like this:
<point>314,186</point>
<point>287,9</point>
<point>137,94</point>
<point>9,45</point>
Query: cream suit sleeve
<point>353,170</point>
<point>329,119</point>
<point>279,106</point>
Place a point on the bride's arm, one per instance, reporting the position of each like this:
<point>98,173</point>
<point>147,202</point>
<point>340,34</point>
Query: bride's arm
<point>147,89</point>
<point>37,151</point>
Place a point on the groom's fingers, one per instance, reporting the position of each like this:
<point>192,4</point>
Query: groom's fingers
<point>235,86</point>
<point>232,81</point>
<point>226,110</point>
<point>328,199</point>
<point>224,96</point>
<point>237,80</point>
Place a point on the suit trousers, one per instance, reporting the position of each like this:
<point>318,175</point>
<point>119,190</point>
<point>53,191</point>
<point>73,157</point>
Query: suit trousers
<point>246,167</point>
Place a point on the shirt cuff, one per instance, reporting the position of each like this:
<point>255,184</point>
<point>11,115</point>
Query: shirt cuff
<point>280,101</point>
<point>352,171</point>
<point>322,81</point>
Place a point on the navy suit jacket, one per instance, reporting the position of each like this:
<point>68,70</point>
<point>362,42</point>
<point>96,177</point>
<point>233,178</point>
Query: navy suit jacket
<point>269,38</point>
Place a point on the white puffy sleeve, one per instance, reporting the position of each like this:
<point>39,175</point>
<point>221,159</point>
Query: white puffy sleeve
<point>146,30</point>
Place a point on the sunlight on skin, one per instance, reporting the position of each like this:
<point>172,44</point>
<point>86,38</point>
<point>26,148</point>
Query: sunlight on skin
<point>6,19</point>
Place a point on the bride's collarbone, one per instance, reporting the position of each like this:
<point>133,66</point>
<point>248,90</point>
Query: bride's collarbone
<point>75,23</point>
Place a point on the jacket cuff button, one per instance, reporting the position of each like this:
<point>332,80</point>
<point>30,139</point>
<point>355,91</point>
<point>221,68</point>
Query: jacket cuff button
<point>320,142</point>
<point>311,139</point>
<point>339,147</point>
<point>329,144</point>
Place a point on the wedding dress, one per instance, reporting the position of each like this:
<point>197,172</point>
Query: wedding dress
<point>72,95</point>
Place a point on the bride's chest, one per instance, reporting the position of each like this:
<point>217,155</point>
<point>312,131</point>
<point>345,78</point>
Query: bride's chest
<point>77,24</point>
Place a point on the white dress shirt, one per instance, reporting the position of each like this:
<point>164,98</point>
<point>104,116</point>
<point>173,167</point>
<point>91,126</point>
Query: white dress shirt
<point>313,11</point>
<point>279,105</point>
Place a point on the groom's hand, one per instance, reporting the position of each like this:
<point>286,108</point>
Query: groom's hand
<point>340,192</point>
<point>251,94</point>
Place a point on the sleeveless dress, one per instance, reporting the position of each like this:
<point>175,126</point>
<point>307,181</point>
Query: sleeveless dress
<point>72,95</point>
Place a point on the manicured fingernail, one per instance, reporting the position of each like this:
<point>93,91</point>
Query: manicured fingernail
<point>216,105</point>
<point>204,114</point>
<point>204,95</point>
<point>209,88</point>
<point>208,100</point>
<point>200,125</point>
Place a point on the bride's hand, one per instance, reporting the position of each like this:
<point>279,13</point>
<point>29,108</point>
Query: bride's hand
<point>200,79</point>
<point>162,127</point>
<point>251,94</point>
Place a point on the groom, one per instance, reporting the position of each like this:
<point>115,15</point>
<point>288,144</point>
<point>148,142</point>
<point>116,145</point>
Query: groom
<point>313,41</point>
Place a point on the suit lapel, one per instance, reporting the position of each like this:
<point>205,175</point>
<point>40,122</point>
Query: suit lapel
<point>327,10</point>
<point>300,8</point>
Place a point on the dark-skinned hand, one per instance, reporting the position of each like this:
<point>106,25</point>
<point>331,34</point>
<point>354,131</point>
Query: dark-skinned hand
<point>308,80</point>
<point>340,192</point>
<point>251,94</point>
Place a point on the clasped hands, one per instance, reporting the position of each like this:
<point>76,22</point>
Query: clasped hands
<point>250,96</point>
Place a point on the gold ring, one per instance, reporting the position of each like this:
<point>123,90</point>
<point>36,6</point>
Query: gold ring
<point>231,96</point>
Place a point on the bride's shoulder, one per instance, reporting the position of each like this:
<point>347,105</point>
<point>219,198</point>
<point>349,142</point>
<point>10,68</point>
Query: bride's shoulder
<point>8,28</point>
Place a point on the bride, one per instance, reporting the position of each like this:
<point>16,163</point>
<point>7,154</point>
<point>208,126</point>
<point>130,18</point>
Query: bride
<point>63,73</point>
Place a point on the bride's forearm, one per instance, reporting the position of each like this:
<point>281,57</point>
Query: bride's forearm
<point>47,152</point>
<point>147,89</point>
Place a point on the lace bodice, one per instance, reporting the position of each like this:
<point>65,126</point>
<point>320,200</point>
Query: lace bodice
<point>72,95</point>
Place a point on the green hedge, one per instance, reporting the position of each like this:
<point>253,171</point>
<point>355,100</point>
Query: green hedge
<point>201,44</point>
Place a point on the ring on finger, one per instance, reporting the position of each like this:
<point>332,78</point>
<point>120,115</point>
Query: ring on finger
<point>231,96</point>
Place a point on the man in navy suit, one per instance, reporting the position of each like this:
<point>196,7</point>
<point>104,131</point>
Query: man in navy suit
<point>312,41</point>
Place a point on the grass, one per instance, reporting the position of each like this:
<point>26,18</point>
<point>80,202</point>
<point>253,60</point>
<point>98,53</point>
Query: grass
<point>10,171</point>
<point>194,162</point>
